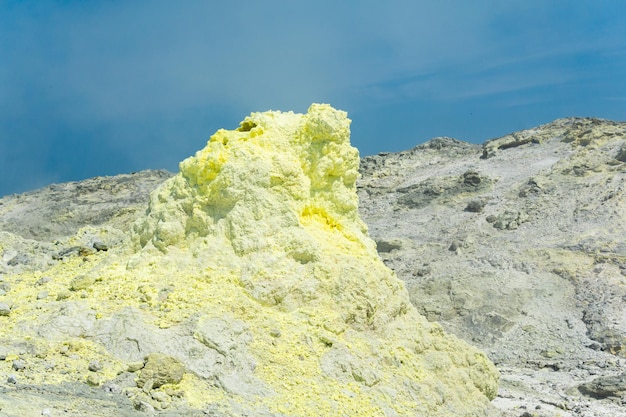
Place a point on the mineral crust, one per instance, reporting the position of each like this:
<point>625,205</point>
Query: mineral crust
<point>249,287</point>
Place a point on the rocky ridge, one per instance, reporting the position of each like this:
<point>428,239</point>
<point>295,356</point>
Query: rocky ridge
<point>514,245</point>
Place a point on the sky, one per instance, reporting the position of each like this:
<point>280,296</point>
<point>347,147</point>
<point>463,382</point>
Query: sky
<point>93,88</point>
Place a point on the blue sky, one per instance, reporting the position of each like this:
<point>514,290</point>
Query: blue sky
<point>105,87</point>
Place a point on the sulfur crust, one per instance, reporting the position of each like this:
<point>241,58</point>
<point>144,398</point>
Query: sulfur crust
<point>261,228</point>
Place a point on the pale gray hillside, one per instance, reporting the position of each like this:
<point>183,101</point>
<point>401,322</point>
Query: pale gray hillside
<point>517,246</point>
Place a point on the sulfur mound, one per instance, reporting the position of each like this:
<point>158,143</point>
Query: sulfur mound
<point>250,287</point>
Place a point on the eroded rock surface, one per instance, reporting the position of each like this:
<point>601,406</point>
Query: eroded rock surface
<point>60,210</point>
<point>248,287</point>
<point>531,267</point>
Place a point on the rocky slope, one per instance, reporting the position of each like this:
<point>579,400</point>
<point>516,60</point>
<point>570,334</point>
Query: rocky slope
<point>515,245</point>
<point>59,210</point>
<point>248,287</point>
<point>518,247</point>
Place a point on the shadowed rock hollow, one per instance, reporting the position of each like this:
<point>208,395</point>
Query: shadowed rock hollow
<point>249,287</point>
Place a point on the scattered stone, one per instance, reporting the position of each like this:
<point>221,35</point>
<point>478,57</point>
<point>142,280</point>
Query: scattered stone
<point>275,333</point>
<point>121,383</point>
<point>93,380</point>
<point>605,387</point>
<point>42,294</point>
<point>82,282</point>
<point>144,407</point>
<point>63,295</point>
<point>472,178</point>
<point>422,271</point>
<point>42,281</point>
<point>384,246</point>
<point>111,388</point>
<point>621,155</point>
<point>5,309</point>
<point>160,369</point>
<point>46,412</point>
<point>439,190</point>
<point>510,220</point>
<point>18,365</point>
<point>95,366</point>
<point>12,379</point>
<point>533,187</point>
<point>135,366</point>
<point>475,206</point>
<point>100,246</point>
<point>455,246</point>
<point>86,251</point>
<point>18,259</point>
<point>549,354</point>
<point>512,140</point>
<point>74,250</point>
<point>160,396</point>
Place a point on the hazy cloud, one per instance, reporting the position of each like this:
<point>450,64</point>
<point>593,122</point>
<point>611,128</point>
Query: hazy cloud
<point>93,88</point>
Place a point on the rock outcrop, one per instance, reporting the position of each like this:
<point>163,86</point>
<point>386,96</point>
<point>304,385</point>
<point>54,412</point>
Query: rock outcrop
<point>514,245</point>
<point>249,287</point>
<point>60,210</point>
<point>529,265</point>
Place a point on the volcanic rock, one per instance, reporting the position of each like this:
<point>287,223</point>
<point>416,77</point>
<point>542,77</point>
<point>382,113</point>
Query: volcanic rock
<point>248,287</point>
<point>534,274</point>
<point>542,295</point>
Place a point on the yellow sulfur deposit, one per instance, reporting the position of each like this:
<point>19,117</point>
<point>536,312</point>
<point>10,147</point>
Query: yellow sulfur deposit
<point>252,277</point>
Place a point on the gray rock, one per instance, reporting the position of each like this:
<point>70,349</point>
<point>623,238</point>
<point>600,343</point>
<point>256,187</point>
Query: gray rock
<point>442,190</point>
<point>4,352</point>
<point>510,220</point>
<point>621,154</point>
<point>605,386</point>
<point>144,407</point>
<point>82,282</point>
<point>159,370</point>
<point>19,259</point>
<point>383,246</point>
<point>100,246</point>
<point>43,281</point>
<point>95,366</point>
<point>18,365</point>
<point>5,309</point>
<point>475,206</point>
